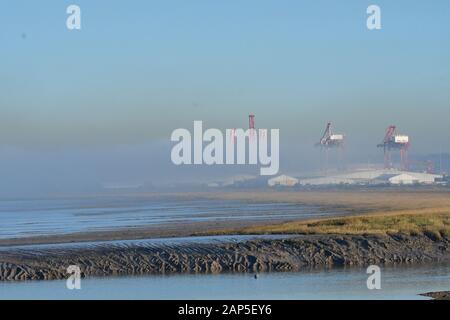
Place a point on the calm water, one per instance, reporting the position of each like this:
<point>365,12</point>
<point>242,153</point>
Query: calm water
<point>350,283</point>
<point>22,218</point>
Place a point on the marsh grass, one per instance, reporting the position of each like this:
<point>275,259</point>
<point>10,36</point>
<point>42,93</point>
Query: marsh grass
<point>432,222</point>
<point>366,212</point>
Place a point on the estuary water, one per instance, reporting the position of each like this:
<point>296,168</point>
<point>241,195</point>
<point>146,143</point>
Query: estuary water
<point>342,283</point>
<point>24,218</point>
<point>38,217</point>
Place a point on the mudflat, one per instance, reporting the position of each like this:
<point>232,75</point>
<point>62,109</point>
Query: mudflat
<point>257,255</point>
<point>344,203</point>
<point>440,295</point>
<point>380,227</point>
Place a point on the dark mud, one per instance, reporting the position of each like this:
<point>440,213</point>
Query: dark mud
<point>441,295</point>
<point>256,255</point>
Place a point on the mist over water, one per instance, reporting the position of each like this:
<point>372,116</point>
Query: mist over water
<point>66,170</point>
<point>93,108</point>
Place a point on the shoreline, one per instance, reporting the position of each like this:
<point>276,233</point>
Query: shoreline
<point>438,295</point>
<point>343,204</point>
<point>254,255</point>
<point>172,230</point>
<point>374,228</point>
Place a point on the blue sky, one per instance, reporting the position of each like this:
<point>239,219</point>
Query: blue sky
<point>139,69</point>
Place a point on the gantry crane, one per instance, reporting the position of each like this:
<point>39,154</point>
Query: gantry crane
<point>331,140</point>
<point>394,141</point>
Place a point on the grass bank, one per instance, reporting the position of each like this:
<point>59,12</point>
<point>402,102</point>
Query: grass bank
<point>434,222</point>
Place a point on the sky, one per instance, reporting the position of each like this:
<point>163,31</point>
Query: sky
<point>97,105</point>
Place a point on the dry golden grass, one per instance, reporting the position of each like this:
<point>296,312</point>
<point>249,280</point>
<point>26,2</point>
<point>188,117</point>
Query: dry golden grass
<point>412,224</point>
<point>435,222</point>
<point>377,212</point>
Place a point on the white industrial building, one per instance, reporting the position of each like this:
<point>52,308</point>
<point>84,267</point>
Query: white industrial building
<point>363,177</point>
<point>414,178</point>
<point>283,180</point>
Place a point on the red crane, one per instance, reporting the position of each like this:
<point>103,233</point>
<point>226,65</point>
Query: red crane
<point>394,141</point>
<point>251,121</point>
<point>251,126</point>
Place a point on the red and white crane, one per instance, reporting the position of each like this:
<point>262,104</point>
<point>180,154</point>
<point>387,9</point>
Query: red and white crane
<point>251,121</point>
<point>394,141</point>
<point>251,127</point>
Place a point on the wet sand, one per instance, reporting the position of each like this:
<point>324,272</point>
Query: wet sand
<point>339,203</point>
<point>173,230</point>
<point>255,255</point>
<point>137,217</point>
